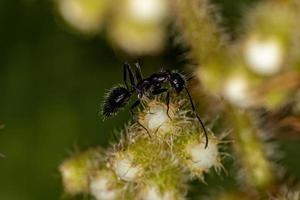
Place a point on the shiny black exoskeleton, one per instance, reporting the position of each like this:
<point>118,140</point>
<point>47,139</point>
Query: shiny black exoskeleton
<point>119,96</point>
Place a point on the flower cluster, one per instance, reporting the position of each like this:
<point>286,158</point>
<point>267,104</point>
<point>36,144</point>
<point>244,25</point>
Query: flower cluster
<point>142,166</point>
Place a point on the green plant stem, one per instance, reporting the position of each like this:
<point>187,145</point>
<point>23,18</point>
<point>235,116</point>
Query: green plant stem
<point>200,31</point>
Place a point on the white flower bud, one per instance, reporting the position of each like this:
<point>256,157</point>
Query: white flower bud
<point>74,178</point>
<point>126,169</point>
<point>75,171</point>
<point>153,193</point>
<point>102,187</point>
<point>201,158</point>
<point>157,118</point>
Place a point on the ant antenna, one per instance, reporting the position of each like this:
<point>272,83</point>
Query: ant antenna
<point>198,117</point>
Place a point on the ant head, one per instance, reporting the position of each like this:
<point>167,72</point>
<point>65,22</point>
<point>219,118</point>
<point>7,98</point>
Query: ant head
<point>116,99</point>
<point>177,81</point>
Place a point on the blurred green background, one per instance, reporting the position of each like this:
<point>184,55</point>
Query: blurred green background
<point>51,86</point>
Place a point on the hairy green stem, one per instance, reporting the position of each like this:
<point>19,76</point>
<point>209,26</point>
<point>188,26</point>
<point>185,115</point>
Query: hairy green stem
<point>199,28</point>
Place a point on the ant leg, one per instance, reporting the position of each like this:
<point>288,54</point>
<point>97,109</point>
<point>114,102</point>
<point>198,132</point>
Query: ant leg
<point>198,117</point>
<point>138,102</point>
<point>138,72</point>
<point>125,75</point>
<point>168,104</point>
<point>131,77</point>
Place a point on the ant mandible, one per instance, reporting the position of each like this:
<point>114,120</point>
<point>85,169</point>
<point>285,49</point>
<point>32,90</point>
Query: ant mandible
<point>119,96</point>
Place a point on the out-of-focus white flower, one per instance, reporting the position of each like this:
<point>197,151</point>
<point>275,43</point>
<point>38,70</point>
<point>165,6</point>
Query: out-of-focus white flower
<point>85,15</point>
<point>139,26</point>
<point>153,193</point>
<point>236,90</point>
<point>74,178</point>
<point>75,171</point>
<point>148,11</point>
<point>264,56</point>
<point>103,187</point>
<point>137,39</point>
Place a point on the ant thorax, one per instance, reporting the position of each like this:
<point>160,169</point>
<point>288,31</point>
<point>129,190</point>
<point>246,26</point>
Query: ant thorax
<point>142,88</point>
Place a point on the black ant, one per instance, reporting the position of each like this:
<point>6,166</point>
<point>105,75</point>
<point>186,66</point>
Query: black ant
<point>119,96</point>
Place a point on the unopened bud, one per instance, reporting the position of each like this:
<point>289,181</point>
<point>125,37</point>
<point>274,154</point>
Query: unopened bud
<point>125,168</point>
<point>75,171</point>
<point>104,186</point>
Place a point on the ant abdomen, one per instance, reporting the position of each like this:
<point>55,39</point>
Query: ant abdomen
<point>116,99</point>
